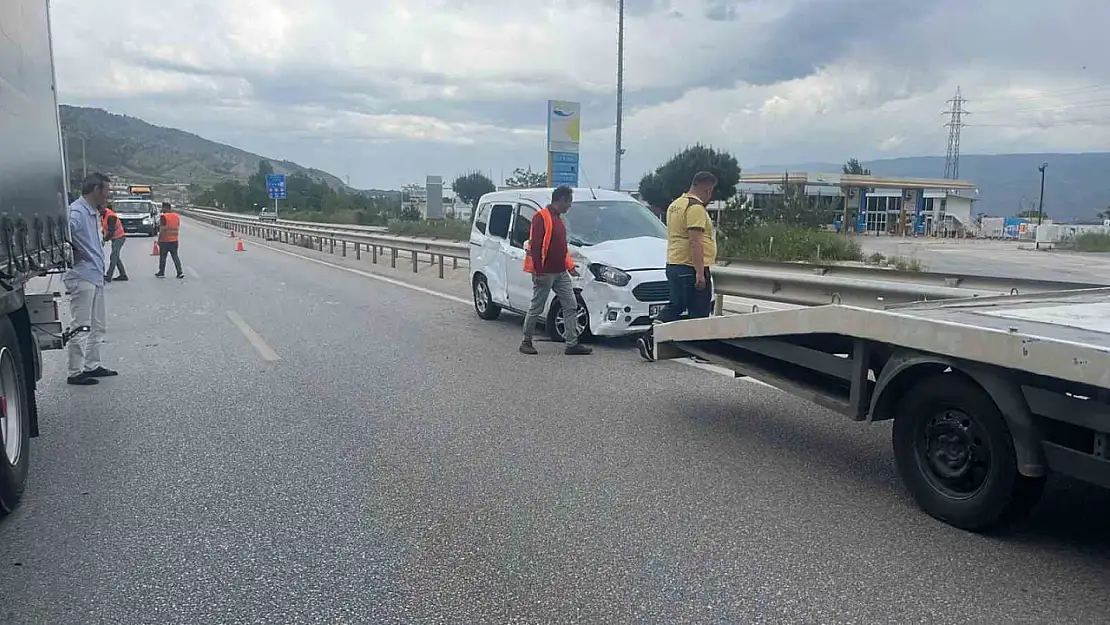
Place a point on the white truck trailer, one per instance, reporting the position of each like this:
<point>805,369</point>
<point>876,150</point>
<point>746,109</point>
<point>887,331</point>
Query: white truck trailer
<point>34,228</point>
<point>987,394</point>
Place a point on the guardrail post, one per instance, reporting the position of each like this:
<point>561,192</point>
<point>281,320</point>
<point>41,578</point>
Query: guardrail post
<point>393,257</point>
<point>455,262</point>
<point>321,242</point>
<point>344,244</point>
<point>441,266</point>
<point>374,254</point>
<point>358,251</point>
<point>719,305</point>
<point>331,246</point>
<point>415,259</point>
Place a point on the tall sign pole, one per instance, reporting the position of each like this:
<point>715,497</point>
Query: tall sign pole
<point>619,151</point>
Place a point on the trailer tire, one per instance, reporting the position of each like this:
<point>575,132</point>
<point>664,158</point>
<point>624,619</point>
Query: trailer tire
<point>15,427</point>
<point>956,456</point>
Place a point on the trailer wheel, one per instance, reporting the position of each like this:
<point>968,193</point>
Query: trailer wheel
<point>15,423</point>
<point>956,456</point>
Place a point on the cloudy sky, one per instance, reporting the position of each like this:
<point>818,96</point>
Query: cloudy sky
<point>387,91</point>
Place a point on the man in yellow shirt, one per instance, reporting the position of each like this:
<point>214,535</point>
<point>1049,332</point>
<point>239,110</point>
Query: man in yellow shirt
<point>691,250</point>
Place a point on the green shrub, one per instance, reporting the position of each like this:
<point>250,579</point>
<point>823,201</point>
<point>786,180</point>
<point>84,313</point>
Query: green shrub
<point>1092,242</point>
<point>789,243</point>
<point>454,229</point>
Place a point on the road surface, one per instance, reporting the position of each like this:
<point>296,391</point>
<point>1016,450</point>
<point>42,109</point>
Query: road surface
<point>294,443</point>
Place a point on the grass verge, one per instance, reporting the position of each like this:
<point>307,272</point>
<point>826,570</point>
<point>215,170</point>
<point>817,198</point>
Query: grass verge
<point>1091,242</point>
<point>791,244</point>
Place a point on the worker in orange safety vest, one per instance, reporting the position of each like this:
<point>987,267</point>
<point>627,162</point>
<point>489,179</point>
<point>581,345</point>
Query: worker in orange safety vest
<point>550,264</point>
<point>112,228</point>
<point>168,238</point>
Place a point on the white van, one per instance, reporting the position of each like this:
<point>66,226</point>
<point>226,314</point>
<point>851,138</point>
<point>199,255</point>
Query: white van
<point>619,248</point>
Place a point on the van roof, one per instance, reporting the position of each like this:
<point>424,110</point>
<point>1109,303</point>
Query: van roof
<point>542,196</point>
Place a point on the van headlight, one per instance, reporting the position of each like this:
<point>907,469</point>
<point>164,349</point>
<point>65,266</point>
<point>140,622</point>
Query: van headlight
<point>147,221</point>
<point>610,275</point>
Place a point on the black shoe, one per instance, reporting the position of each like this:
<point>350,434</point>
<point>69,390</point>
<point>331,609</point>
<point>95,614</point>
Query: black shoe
<point>180,276</point>
<point>159,275</point>
<point>100,372</point>
<point>107,279</point>
<point>647,349</point>
<point>122,278</point>
<point>81,380</point>
<point>578,350</point>
<point>526,347</point>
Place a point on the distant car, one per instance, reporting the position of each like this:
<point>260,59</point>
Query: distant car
<point>268,214</point>
<point>137,215</point>
<point>618,245</point>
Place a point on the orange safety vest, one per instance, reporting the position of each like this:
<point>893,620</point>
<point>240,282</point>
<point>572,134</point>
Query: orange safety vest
<point>108,214</point>
<point>544,214</point>
<point>172,230</point>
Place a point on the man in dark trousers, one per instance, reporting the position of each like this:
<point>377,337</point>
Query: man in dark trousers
<point>114,234</point>
<point>168,236</point>
<point>547,258</point>
<point>691,250</point>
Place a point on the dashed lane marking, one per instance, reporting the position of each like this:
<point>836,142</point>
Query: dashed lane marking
<point>253,337</point>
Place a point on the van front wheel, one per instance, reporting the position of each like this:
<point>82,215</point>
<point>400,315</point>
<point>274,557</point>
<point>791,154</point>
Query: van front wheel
<point>556,323</point>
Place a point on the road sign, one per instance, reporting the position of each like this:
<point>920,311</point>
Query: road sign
<point>564,168</point>
<point>275,186</point>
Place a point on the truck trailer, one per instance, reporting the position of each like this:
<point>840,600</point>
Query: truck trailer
<point>988,395</point>
<point>34,229</point>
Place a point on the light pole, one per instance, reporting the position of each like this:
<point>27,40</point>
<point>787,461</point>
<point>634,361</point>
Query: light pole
<point>618,150</point>
<point>1040,204</point>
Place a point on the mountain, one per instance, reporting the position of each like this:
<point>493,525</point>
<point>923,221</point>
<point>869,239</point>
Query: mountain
<point>1077,186</point>
<point>134,150</point>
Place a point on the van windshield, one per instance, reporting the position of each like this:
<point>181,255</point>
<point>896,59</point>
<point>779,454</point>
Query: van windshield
<point>145,208</point>
<point>590,222</point>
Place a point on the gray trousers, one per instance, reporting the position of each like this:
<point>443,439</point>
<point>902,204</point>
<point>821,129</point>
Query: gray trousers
<point>114,261</point>
<point>564,290</point>
<point>86,306</point>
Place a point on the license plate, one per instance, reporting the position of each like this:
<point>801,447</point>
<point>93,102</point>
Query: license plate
<point>655,309</point>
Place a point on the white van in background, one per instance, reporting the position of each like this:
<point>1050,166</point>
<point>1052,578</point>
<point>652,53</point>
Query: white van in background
<point>619,248</point>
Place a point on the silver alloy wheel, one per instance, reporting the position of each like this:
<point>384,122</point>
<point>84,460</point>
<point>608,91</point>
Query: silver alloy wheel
<point>11,409</point>
<point>481,296</point>
<point>561,326</point>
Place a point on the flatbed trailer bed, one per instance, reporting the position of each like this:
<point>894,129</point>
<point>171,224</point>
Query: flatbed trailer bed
<point>988,395</point>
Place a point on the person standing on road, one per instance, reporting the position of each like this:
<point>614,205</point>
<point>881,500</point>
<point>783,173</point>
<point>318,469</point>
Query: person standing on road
<point>547,258</point>
<point>114,234</point>
<point>84,282</point>
<point>168,236</point>
<point>691,250</point>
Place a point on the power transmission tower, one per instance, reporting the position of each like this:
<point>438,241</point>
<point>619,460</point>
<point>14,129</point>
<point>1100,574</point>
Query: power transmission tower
<point>955,125</point>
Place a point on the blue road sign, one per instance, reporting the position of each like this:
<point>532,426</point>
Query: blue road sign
<point>275,186</point>
<point>564,168</point>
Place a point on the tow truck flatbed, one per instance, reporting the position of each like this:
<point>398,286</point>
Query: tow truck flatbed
<point>988,395</point>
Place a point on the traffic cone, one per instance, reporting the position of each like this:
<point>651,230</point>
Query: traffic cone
<point>239,245</point>
<point>154,252</point>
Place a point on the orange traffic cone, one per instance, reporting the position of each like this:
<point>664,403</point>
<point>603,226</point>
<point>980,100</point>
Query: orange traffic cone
<point>239,245</point>
<point>154,252</point>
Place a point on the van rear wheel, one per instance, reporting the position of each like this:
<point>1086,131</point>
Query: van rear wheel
<point>483,300</point>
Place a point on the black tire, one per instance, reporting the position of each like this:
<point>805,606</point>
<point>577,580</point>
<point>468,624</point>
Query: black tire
<point>559,336</point>
<point>16,420</point>
<point>956,456</point>
<point>483,299</point>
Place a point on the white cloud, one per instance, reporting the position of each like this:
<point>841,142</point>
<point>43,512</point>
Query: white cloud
<point>395,88</point>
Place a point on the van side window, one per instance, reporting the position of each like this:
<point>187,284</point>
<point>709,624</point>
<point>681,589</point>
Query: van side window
<point>481,217</point>
<point>499,218</point>
<point>522,227</point>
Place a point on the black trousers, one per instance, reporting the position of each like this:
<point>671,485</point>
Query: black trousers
<point>170,248</point>
<point>685,296</point>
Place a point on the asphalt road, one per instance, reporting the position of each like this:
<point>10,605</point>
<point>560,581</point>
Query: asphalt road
<point>294,443</point>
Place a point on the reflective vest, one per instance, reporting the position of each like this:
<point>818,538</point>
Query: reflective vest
<point>172,228</point>
<point>105,218</point>
<point>544,214</point>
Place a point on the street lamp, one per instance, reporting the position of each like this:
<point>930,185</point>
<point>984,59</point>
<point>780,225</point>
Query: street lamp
<point>1040,205</point>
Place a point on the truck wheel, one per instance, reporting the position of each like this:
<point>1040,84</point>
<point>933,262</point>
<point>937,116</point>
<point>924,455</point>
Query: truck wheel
<point>956,456</point>
<point>483,300</point>
<point>15,425</point>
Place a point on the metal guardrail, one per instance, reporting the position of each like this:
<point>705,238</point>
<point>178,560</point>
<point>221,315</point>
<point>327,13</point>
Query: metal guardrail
<point>291,222</point>
<point>317,237</point>
<point>798,284</point>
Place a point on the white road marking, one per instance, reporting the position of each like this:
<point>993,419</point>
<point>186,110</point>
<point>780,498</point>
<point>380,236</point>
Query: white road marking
<point>253,338</point>
<point>192,272</point>
<point>446,296</point>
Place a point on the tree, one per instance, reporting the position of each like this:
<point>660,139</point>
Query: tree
<point>526,179</point>
<point>472,186</point>
<point>854,168</point>
<point>672,179</point>
<point>410,213</point>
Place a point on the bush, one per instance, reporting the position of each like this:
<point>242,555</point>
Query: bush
<point>789,243</point>
<point>454,229</point>
<point>1092,242</point>
<point>901,263</point>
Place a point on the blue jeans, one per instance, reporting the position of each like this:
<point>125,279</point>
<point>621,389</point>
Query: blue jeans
<point>685,296</point>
